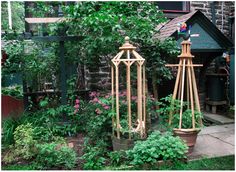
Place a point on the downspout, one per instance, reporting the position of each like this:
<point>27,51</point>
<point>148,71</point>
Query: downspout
<point>213,12</point>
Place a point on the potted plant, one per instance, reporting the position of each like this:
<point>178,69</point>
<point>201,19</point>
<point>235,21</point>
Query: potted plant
<point>188,128</point>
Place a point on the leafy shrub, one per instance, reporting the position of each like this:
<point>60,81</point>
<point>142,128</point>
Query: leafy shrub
<point>55,154</point>
<point>8,127</point>
<point>157,147</point>
<point>24,144</point>
<point>24,141</point>
<point>117,158</point>
<point>15,91</point>
<point>94,156</point>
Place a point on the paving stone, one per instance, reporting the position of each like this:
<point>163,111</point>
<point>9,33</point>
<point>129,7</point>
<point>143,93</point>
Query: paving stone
<point>217,129</point>
<point>218,119</point>
<point>209,146</point>
<point>227,137</point>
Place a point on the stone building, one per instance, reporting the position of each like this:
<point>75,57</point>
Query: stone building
<point>220,13</point>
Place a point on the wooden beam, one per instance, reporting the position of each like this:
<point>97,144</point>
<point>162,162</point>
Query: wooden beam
<point>40,20</point>
<point>176,65</point>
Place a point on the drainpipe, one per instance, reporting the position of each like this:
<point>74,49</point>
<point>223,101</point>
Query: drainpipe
<point>213,12</point>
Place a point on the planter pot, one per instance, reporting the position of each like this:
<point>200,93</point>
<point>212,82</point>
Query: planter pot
<point>189,136</point>
<point>11,106</point>
<point>122,144</point>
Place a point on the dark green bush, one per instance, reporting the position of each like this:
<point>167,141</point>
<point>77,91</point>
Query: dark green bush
<point>157,147</point>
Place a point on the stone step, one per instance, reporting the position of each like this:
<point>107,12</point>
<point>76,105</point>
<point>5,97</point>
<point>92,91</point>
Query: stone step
<point>217,119</point>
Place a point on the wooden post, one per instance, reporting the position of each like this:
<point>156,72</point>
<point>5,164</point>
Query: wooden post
<point>191,94</point>
<point>144,97</point>
<point>63,73</point>
<point>128,93</point>
<point>139,93</point>
<point>117,103</point>
<point>112,97</point>
<point>196,93</point>
<point>182,95</point>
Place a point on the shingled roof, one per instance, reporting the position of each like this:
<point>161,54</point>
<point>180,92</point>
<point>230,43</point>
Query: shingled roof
<point>170,27</point>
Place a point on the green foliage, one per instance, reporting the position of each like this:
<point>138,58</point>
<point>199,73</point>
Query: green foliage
<point>94,156</point>
<point>104,25</point>
<point>157,147</point>
<point>168,105</point>
<point>55,154</point>
<point>19,167</point>
<point>15,91</point>
<point>14,49</point>
<point>46,155</point>
<point>18,13</point>
<point>157,53</point>
<point>24,146</point>
<point>24,141</point>
<point>117,158</point>
<point>8,127</point>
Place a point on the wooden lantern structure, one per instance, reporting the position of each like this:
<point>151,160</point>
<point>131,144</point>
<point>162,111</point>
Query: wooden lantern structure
<point>131,58</point>
<point>185,85</point>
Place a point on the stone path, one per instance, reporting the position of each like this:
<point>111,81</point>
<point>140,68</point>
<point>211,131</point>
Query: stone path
<point>217,119</point>
<point>214,141</point>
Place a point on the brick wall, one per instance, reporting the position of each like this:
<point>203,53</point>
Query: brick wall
<point>206,8</point>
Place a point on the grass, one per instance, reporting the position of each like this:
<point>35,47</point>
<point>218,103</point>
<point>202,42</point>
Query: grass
<point>219,163</point>
<point>18,167</point>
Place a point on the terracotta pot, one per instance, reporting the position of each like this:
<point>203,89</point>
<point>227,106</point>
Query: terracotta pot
<point>122,144</point>
<point>189,136</point>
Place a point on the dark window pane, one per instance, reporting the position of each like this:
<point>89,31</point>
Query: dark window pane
<point>171,5</point>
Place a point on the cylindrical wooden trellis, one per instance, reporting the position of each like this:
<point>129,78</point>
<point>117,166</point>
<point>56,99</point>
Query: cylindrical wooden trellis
<point>185,85</point>
<point>131,58</point>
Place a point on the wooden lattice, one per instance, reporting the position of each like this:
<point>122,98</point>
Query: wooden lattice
<point>127,49</point>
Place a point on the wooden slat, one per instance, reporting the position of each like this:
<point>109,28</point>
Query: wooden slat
<point>112,97</point>
<point>39,20</point>
<point>176,65</point>
<point>182,96</point>
<point>117,103</point>
<point>191,93</point>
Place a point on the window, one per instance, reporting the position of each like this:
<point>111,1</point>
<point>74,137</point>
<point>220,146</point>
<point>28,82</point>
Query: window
<point>174,6</point>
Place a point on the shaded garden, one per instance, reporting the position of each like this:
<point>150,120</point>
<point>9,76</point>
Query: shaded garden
<point>81,128</point>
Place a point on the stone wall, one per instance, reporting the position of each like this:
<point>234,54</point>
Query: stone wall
<point>226,14</point>
<point>98,77</point>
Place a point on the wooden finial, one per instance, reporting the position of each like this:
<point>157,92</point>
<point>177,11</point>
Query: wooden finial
<point>127,45</point>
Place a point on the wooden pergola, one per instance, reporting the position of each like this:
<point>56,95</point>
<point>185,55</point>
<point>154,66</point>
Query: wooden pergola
<point>131,57</point>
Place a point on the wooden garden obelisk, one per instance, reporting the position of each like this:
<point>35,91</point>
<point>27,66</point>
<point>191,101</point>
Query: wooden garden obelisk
<point>185,84</point>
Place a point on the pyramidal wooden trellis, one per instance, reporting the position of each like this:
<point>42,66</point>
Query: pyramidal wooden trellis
<point>185,85</point>
<point>131,58</point>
